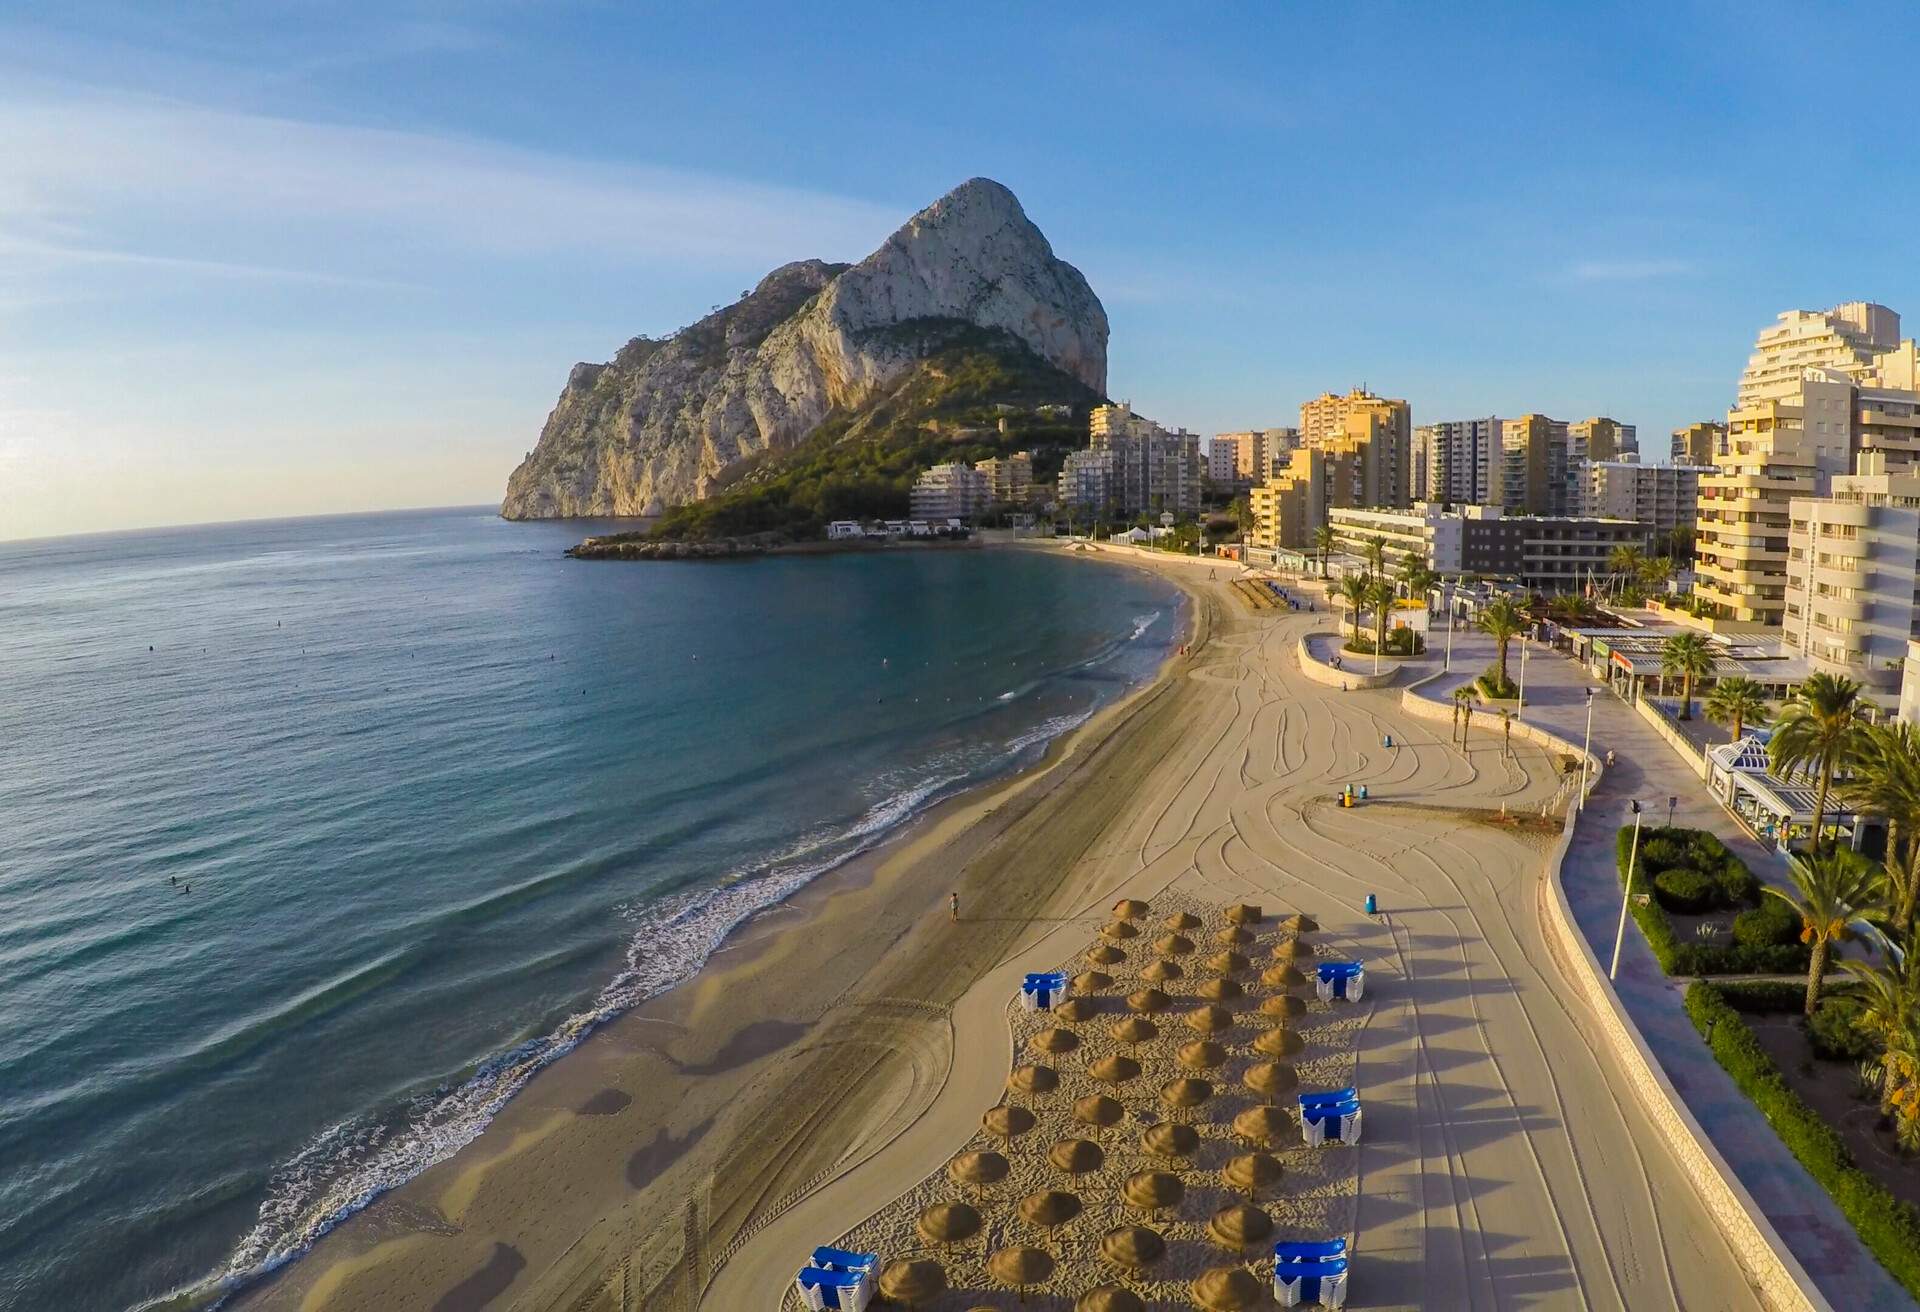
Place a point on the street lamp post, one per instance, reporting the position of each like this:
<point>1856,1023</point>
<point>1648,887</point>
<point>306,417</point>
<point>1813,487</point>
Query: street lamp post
<point>1519,712</point>
<point>1586,754</point>
<point>1671,803</point>
<point>1620,933</point>
<point>1452,597</point>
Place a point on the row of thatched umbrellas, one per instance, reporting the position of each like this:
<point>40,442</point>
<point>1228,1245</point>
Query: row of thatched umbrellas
<point>1133,1249</point>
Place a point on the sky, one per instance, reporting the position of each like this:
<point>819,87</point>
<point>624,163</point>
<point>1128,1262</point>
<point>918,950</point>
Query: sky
<point>267,257</point>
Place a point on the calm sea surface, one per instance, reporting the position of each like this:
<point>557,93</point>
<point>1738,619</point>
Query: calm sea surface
<point>444,800</point>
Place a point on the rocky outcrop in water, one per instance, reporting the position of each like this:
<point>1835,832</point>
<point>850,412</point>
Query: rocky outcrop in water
<point>662,423</point>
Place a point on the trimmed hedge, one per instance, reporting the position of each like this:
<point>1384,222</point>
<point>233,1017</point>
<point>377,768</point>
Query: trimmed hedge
<point>1674,956</point>
<point>1770,924</point>
<point>1833,1035</point>
<point>1686,891</point>
<point>1888,1227</point>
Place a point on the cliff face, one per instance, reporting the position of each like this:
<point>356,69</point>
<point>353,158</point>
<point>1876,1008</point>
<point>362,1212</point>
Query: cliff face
<point>660,423</point>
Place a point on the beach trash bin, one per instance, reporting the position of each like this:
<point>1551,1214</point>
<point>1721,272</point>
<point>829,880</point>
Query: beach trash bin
<point>1373,905</point>
<point>1386,740</point>
<point>1363,792</point>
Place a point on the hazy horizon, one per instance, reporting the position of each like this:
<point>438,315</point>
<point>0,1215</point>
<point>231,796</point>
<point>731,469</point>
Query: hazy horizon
<point>270,263</point>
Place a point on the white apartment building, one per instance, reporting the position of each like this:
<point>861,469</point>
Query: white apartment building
<point>1848,339</point>
<point>1086,481</point>
<point>1853,558</point>
<point>1663,496</point>
<point>950,491</point>
<point>1223,457</point>
<point>1153,471</point>
<point>1555,553</point>
<point>1461,460</point>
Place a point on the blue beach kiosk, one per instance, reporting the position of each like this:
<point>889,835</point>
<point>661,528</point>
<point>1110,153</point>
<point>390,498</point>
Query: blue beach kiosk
<point>836,1278</point>
<point>1310,1271</point>
<point>1346,980</point>
<point>1333,1116</point>
<point>1042,989</point>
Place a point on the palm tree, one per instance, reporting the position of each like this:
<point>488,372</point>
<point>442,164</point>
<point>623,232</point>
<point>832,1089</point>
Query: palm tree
<point>1885,781</point>
<point>1816,734</point>
<point>1323,540</point>
<point>1356,590</point>
<point>1739,702</point>
<point>1833,891</point>
<point>1377,555</point>
<point>1690,656</point>
<point>1506,732</point>
<point>1566,609</point>
<point>1503,622</point>
<point>1890,1012</point>
<point>1654,573</point>
<point>1380,595</point>
<point>1625,560</point>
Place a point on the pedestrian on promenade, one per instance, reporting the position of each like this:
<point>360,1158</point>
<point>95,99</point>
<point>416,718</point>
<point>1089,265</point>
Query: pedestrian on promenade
<point>953,907</point>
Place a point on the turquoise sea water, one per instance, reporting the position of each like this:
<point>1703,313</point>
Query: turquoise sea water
<point>445,800</point>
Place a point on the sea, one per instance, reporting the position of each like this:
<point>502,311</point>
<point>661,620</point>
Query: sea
<point>319,838</point>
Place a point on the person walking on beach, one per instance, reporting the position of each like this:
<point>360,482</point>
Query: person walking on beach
<point>953,907</point>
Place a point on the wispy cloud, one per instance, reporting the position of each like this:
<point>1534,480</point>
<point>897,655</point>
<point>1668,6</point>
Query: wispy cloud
<point>50,257</point>
<point>1630,270</point>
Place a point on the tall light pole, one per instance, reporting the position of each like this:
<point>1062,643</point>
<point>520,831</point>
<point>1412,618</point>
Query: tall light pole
<point>1451,598</point>
<point>1620,934</point>
<point>1586,754</point>
<point>1519,712</point>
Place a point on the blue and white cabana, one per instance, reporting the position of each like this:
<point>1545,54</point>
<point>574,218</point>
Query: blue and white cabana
<point>1342,979</point>
<point>1333,1115</point>
<point>1310,1271</point>
<point>1042,989</point>
<point>836,1278</point>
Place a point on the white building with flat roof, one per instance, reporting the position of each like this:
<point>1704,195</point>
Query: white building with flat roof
<point>950,491</point>
<point>1853,559</point>
<point>1665,496</point>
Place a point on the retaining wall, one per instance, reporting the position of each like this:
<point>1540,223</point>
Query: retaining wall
<point>1777,1276</point>
<point>1321,672</point>
<point>1680,743</point>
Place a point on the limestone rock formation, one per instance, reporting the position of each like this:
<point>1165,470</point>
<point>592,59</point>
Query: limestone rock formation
<point>664,420</point>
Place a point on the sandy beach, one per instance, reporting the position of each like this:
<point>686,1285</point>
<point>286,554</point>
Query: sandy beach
<point>839,1051</point>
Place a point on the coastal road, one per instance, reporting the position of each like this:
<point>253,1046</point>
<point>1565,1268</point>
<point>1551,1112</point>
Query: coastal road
<point>1506,1164</point>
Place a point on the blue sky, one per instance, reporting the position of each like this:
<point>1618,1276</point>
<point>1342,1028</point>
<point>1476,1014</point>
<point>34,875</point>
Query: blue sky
<point>265,258</point>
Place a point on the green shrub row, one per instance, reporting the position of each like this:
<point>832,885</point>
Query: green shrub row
<point>1771,924</point>
<point>1888,1227</point>
<point>1833,1035</point>
<point>1681,958</point>
<point>1687,892</point>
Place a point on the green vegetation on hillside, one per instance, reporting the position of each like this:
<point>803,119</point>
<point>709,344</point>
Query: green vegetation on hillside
<point>861,464</point>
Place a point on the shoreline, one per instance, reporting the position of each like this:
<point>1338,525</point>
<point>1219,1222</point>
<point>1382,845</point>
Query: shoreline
<point>344,1265</point>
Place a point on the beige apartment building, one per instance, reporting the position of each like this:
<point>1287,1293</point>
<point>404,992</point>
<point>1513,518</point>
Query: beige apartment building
<point>1249,457</point>
<point>1538,475</point>
<point>1819,389</point>
<point>1698,444</point>
<point>1376,433</point>
<point>1853,558</point>
<point>1457,461</point>
<point>1666,497</point>
<point>1288,507</point>
<point>1154,471</point>
<point>1603,439</point>
<point>1009,478</point>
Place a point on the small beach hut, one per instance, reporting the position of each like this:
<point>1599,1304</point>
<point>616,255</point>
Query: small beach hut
<point>1238,1225</point>
<point>1243,913</point>
<point>1252,1173</point>
<point>1148,1001</point>
<point>1200,1055</point>
<point>1020,1268</point>
<point>1007,1122</point>
<point>1076,1156</point>
<point>946,1224</point>
<point>1209,1019</point>
<point>1185,1093</point>
<point>1227,1289</point>
<point>1181,920</point>
<point>1270,1079</point>
<point>1132,1248</point>
<point>1170,1141</point>
<point>978,1169</point>
<point>1280,1043</point>
<point>1114,1070</point>
<point>1150,1191</point>
<point>913,1282</point>
<point>1099,1111</point>
<point>1173,945</point>
<point>1109,1298</point>
<point>1162,971</point>
<point>1283,1006</point>
<point>1129,908</point>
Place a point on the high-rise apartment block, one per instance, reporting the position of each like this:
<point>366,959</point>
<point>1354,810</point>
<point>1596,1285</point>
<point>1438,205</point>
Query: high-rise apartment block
<point>1666,497</point>
<point>1086,482</point>
<point>949,491</point>
<point>1153,471</point>
<point>1538,472</point>
<point>1853,559</point>
<point>1246,458</point>
<point>1009,478</point>
<point>1289,506</point>
<point>1603,439</point>
<point>1555,553</point>
<point>1461,460</point>
<point>1819,389</point>
<point>1376,432</point>
<point>1698,444</point>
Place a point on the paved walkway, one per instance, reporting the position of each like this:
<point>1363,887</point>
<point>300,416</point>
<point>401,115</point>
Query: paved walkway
<point>1648,769</point>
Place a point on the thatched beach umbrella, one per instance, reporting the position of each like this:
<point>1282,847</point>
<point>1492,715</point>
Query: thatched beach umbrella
<point>1185,1093</point>
<point>1283,975</point>
<point>1105,954</point>
<point>1283,1006</point>
<point>1161,971</point>
<point>1134,1031</point>
<point>1053,1042</point>
<point>913,1282</point>
<point>1170,1140</point>
<point>1114,1070</point>
<point>1152,1190</point>
<point>1119,929</point>
<point>1210,1019</point>
<point>1006,1122</point>
<point>1148,1001</point>
<point>1220,990</point>
<point>1173,945</point>
<point>1227,1289</point>
<point>1242,913</point>
<point>1099,1111</point>
<point>1033,1080</point>
<point>1074,1010</point>
<point>1280,1043</point>
<point>1129,908</point>
<point>1076,1156</point>
<point>1237,1225</point>
<point>1253,1172</point>
<point>1181,920</point>
<point>1270,1079</point>
<point>1109,1298</point>
<point>1227,963</point>
<point>1234,936</point>
<point>1264,1126</point>
<point>1291,949</point>
<point>1300,924</point>
<point>1091,981</point>
<point>1020,1268</point>
<point>947,1224</point>
<point>978,1169</point>
<point>1200,1055</point>
<point>1049,1209</point>
<point>1132,1247</point>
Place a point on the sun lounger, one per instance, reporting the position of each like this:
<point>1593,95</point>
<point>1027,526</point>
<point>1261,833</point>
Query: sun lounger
<point>840,1259</point>
<point>1341,979</point>
<point>845,1291</point>
<point>1325,1116</point>
<point>1042,989</point>
<point>1310,1271</point>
